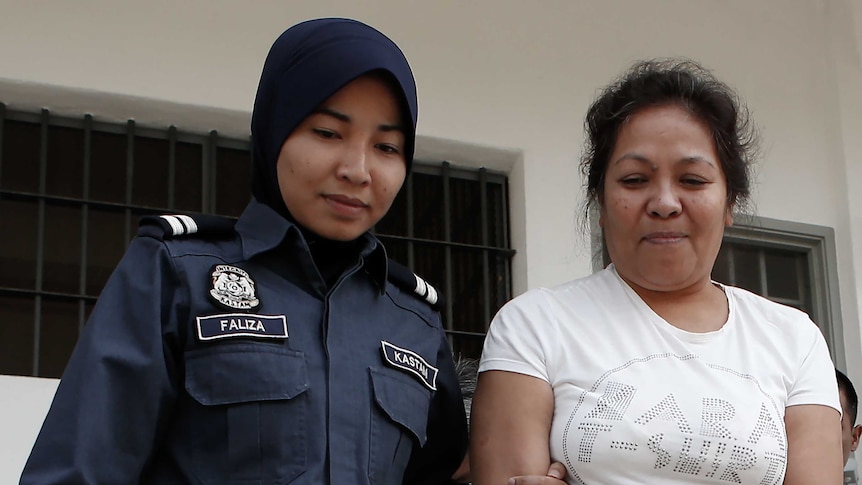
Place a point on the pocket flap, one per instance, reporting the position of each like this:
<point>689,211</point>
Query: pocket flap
<point>405,401</point>
<point>242,373</point>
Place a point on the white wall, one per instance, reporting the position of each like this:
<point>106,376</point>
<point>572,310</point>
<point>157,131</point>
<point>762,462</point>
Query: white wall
<point>24,401</point>
<point>501,82</point>
<point>845,35</point>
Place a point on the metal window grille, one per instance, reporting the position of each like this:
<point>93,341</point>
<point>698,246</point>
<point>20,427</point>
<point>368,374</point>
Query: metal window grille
<point>73,189</point>
<point>451,226</point>
<point>71,192</point>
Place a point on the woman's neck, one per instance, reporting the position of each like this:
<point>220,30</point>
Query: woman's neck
<point>698,308</point>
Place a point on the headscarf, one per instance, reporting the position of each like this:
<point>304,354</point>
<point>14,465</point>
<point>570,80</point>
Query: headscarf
<point>306,65</point>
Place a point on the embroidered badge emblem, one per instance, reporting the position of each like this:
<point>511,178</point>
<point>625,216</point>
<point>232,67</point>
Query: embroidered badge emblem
<point>233,288</point>
<point>213,327</point>
<point>410,362</point>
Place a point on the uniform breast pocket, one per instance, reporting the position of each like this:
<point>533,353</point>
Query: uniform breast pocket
<point>251,413</point>
<point>398,423</point>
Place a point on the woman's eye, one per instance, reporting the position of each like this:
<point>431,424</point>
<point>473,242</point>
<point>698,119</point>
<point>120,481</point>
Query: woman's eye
<point>386,148</point>
<point>696,182</point>
<point>324,133</point>
<point>633,180</point>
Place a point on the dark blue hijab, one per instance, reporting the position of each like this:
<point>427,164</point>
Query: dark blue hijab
<point>306,65</point>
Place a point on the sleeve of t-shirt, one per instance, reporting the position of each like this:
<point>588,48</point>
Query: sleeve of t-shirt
<point>517,339</point>
<point>815,381</point>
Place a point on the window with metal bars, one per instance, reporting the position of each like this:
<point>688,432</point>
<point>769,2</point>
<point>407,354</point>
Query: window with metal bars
<point>451,226</point>
<point>72,191</point>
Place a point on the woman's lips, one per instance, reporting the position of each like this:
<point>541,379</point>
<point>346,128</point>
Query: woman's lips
<point>345,205</point>
<point>664,237</point>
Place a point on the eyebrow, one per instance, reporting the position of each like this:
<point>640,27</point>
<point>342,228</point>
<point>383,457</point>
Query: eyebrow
<point>345,118</point>
<point>641,158</point>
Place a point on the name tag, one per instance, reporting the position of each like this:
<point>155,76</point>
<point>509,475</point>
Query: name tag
<point>213,327</point>
<point>410,362</point>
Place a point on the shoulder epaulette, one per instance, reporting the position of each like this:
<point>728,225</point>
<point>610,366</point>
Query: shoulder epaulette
<point>402,277</point>
<point>173,226</point>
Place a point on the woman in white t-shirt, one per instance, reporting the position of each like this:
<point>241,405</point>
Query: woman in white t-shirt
<point>649,371</point>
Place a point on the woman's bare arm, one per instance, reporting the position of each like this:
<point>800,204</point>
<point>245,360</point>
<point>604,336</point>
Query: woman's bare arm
<point>510,427</point>
<point>813,445</point>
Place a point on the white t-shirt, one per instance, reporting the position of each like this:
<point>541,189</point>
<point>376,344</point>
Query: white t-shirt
<point>637,400</point>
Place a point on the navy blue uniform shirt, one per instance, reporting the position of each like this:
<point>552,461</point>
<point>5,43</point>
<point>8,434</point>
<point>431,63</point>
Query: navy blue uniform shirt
<point>305,383</point>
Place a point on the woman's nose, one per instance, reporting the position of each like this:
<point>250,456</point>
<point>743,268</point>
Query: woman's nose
<point>353,166</point>
<point>664,202</point>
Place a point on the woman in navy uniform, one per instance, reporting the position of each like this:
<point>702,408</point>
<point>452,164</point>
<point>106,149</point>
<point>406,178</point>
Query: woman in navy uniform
<point>285,347</point>
<point>274,350</point>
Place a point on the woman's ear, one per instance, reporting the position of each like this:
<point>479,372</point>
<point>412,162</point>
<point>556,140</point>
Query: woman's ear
<point>855,433</point>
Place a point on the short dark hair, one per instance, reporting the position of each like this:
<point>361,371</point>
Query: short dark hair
<point>845,385</point>
<point>679,82</point>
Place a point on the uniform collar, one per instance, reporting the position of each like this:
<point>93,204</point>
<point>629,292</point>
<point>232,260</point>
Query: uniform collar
<point>262,229</point>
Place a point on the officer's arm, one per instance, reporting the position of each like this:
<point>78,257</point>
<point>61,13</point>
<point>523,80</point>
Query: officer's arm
<point>447,429</point>
<point>119,384</point>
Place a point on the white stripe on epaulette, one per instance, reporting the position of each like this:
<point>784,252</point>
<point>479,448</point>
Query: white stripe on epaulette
<point>191,227</point>
<point>181,224</point>
<point>420,286</point>
<point>432,295</point>
<point>425,290</point>
<point>176,225</point>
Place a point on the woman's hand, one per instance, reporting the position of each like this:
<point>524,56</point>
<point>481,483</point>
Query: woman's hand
<point>556,476</point>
